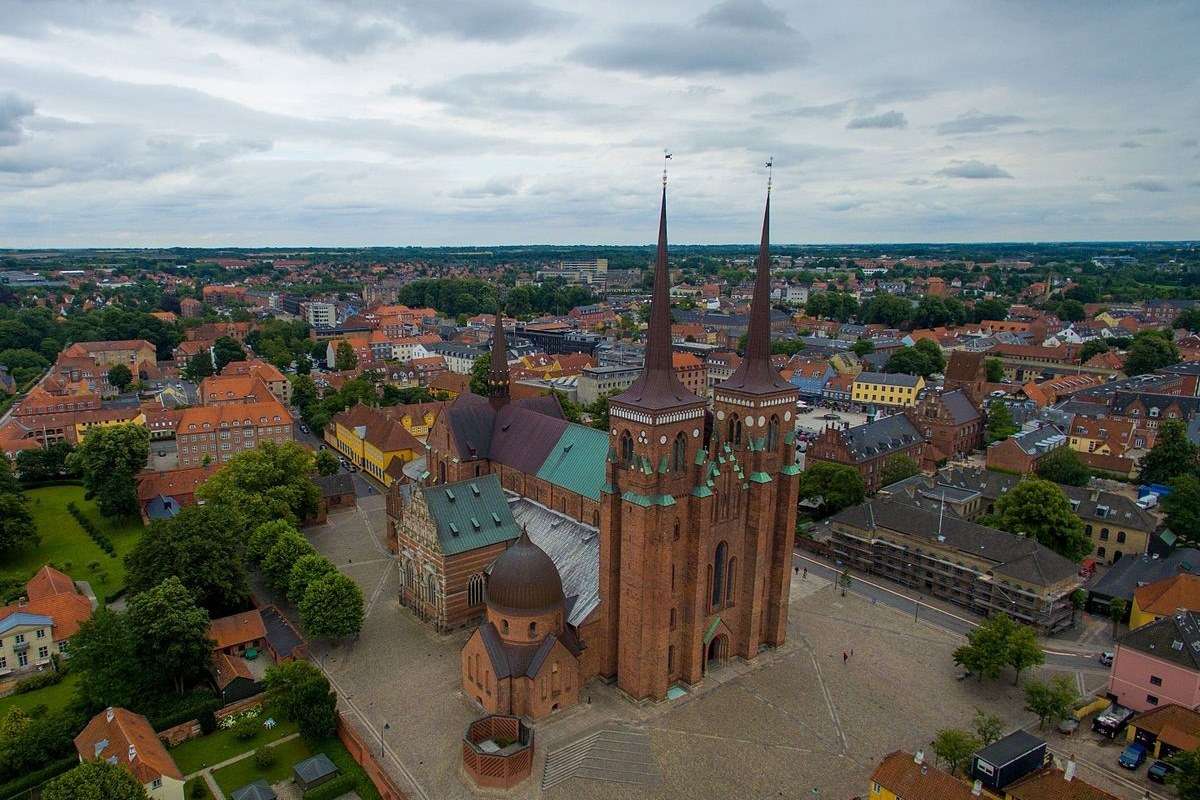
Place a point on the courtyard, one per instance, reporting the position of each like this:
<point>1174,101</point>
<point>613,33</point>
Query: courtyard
<point>796,720</point>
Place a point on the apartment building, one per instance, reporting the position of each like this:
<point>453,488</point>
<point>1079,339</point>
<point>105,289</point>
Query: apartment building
<point>867,447</point>
<point>215,434</point>
<point>595,382</point>
<point>889,389</point>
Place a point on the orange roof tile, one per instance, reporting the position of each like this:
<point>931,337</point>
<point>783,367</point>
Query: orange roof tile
<point>1165,597</point>
<point>903,777</point>
<point>172,482</point>
<point>237,629</point>
<point>1049,783</point>
<point>269,412</point>
<point>127,737</point>
<point>49,581</point>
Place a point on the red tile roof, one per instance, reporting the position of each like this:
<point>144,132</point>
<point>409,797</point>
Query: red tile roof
<point>1165,597</point>
<point>237,629</point>
<point>903,777</point>
<point>127,737</point>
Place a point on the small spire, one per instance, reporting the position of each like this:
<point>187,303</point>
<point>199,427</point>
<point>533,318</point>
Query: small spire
<point>498,376</point>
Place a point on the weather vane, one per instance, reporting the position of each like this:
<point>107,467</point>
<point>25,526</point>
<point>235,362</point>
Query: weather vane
<point>666,158</point>
<point>770,171</point>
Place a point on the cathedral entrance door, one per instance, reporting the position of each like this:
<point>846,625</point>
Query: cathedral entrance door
<point>718,653</point>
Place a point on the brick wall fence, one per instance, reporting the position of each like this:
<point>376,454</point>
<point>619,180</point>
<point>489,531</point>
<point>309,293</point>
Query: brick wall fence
<point>493,770</point>
<point>178,734</point>
<point>363,755</point>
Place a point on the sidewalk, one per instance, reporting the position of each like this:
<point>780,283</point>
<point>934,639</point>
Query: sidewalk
<point>207,772</point>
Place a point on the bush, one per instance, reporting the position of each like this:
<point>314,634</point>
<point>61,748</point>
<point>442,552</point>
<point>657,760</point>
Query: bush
<point>333,789</point>
<point>39,681</point>
<point>171,710</point>
<point>245,729</point>
<point>36,778</point>
<point>89,527</point>
<point>265,758</point>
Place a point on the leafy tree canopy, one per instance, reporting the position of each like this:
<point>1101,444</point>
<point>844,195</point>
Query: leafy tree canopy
<point>1038,508</point>
<point>270,482</point>
<point>836,485</point>
<point>108,459</point>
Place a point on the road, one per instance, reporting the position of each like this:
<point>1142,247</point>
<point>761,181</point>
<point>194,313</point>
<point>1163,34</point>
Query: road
<point>879,593</point>
<point>364,486</point>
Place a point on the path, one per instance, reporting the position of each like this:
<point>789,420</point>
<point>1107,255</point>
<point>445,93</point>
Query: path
<point>206,772</point>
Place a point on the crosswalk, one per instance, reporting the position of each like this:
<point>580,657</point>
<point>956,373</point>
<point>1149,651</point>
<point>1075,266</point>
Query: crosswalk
<point>619,756</point>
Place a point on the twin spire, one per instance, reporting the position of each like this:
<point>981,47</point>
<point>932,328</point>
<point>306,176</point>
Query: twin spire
<point>498,377</point>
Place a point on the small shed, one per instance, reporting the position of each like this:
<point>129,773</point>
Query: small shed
<point>259,790</point>
<point>314,771</point>
<point>1008,759</point>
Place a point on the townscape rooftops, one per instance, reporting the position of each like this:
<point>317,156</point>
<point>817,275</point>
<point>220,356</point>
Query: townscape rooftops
<point>881,436</point>
<point>1168,595</point>
<point>1051,783</point>
<point>1174,638</point>
<point>1125,576</point>
<point>888,379</point>
<point>1009,748</point>
<point>237,629</point>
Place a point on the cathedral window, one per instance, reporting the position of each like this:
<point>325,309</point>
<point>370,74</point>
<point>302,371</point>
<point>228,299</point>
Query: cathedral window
<point>475,588</point>
<point>441,472</point>
<point>670,659</point>
<point>626,448</point>
<point>772,433</point>
<point>680,453</point>
<point>731,582</point>
<point>532,630</point>
<point>735,429</point>
<point>504,626</point>
<point>676,536</point>
<point>431,589</point>
<point>718,580</point>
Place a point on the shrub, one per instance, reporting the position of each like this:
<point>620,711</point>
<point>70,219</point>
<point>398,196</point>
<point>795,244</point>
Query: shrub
<point>39,681</point>
<point>245,729</point>
<point>265,758</point>
<point>31,780</point>
<point>89,527</point>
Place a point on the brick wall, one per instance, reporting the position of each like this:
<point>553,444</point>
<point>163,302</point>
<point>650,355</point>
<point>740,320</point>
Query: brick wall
<point>364,757</point>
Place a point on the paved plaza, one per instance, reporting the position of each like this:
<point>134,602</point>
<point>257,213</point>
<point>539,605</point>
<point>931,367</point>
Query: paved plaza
<point>797,719</point>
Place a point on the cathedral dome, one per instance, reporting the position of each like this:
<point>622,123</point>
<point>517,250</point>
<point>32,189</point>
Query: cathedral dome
<point>524,579</point>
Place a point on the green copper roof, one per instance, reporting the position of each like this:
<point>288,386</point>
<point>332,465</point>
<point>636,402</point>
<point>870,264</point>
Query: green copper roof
<point>576,462</point>
<point>760,477</point>
<point>701,491</point>
<point>790,436</point>
<point>470,514</point>
<point>645,501</point>
<point>701,455</point>
<point>791,469</point>
<point>662,465</point>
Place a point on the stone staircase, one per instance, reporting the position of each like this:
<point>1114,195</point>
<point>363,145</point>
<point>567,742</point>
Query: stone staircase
<point>619,756</point>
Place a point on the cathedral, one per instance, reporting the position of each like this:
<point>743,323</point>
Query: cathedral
<point>644,557</point>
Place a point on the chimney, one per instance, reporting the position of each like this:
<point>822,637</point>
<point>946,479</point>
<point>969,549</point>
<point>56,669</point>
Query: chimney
<point>977,789</point>
<point>108,714</point>
<point>1069,772</point>
<point>132,752</point>
<point>919,757</point>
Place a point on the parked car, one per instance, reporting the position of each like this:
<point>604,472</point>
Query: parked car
<point>1133,755</point>
<point>1112,721</point>
<point>1159,771</point>
<point>1106,658</point>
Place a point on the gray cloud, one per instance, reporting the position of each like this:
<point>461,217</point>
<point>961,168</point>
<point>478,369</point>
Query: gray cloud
<point>889,119</point>
<point>976,122</point>
<point>780,105</point>
<point>1147,185</point>
<point>1150,131</point>
<point>13,109</point>
<point>1131,144</point>
<point>736,37</point>
<point>503,94</point>
<point>494,187</point>
<point>1190,142</point>
<point>973,169</point>
<point>485,20</point>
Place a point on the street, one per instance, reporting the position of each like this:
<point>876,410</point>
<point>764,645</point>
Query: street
<point>364,485</point>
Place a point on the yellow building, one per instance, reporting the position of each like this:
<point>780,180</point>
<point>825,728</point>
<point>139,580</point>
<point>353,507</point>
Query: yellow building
<point>888,389</point>
<point>106,417</point>
<point>903,776</point>
<point>845,363</point>
<point>380,441</point>
<point>1163,598</point>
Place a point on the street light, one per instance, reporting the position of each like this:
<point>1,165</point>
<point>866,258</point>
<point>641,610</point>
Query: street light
<point>385,727</point>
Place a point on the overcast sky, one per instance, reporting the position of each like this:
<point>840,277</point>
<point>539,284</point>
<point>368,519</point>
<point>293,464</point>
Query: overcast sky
<point>386,122</point>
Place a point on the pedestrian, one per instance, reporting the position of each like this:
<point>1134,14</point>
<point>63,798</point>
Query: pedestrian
<point>851,651</point>
<point>806,573</point>
<point>797,570</point>
<point>844,656</point>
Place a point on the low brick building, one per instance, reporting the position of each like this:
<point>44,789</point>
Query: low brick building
<point>867,447</point>
<point>1023,451</point>
<point>951,423</point>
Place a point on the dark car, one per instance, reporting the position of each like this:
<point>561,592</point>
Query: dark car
<point>1159,771</point>
<point>1106,658</point>
<point>1133,755</point>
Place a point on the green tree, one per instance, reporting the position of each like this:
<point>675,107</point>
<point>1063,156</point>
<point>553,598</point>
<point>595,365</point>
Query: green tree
<point>301,693</point>
<point>1070,310</point>
<point>988,727</point>
<point>104,654</point>
<point>270,482</point>
<point>326,463</point>
<point>172,633</point>
<point>1188,320</point>
<point>986,651</point>
<point>283,555</point>
<point>1000,423</point>
<point>480,384</point>
<point>203,548</point>
<point>94,780</point>
<point>1150,350</point>
<point>862,347</point>
<point>1023,651</point>
<point>1173,454</point>
<point>1051,701</point>
<point>994,368</point>
<point>108,459</point>
<point>17,528</point>
<point>44,463</point>
<point>264,537</point>
<point>897,467</point>
<point>954,747</point>
<point>307,569</point>
<point>120,377</point>
<point>226,350</point>
<point>1116,612</point>
<point>1186,777</point>
<point>887,309</point>
<point>1038,508</point>
<point>1182,507</point>
<point>835,486</point>
<point>199,366</point>
<point>344,357</point>
<point>1062,465</point>
<point>845,580</point>
<point>598,409</point>
<point>332,607</point>
<point>989,309</point>
<point>1092,348</point>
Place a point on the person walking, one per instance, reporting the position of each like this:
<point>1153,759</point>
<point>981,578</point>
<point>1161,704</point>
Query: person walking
<point>844,656</point>
<point>806,573</point>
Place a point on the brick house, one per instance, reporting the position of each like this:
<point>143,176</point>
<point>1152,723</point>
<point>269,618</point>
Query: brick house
<point>1023,451</point>
<point>951,423</point>
<point>126,739</point>
<point>221,432</point>
<point>867,447</point>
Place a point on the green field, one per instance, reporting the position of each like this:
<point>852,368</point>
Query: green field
<point>221,745</point>
<point>64,542</point>
<point>287,755</point>
<point>53,697</point>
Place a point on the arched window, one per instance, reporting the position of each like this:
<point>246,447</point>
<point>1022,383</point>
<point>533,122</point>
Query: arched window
<point>772,433</point>
<point>532,630</point>
<point>475,590</point>
<point>735,429</point>
<point>441,472</point>
<point>626,448</point>
<point>504,626</point>
<point>718,582</point>
<point>680,452</point>
<point>731,582</point>
<point>676,536</point>
<point>431,588</point>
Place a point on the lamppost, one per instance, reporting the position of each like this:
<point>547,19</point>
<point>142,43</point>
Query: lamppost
<point>385,727</point>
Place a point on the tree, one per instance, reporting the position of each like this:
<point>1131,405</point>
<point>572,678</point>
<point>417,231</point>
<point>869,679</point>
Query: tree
<point>1116,612</point>
<point>332,607</point>
<point>1092,348</point>
<point>863,347</point>
<point>836,486</point>
<point>897,467</point>
<point>1071,310</point>
<point>167,623</point>
<point>44,463</point>
<point>283,555</point>
<point>1051,701</point>
<point>104,654</point>
<point>845,580</point>
<point>17,528</point>
<point>480,383</point>
<point>1188,320</point>
<point>1000,423</point>
<point>1173,454</point>
<point>94,780</point>
<point>344,357</point>
<point>994,368</point>
<point>300,693</point>
<point>120,377</point>
<point>264,537</point>
<point>988,727</point>
<point>108,459</point>
<point>1186,777</point>
<point>598,410</point>
<point>1062,465</point>
<point>989,309</point>
<point>1038,508</point>
<point>203,548</point>
<point>226,350</point>
<point>954,747</point>
<point>1149,351</point>
<point>986,650</point>
<point>326,463</point>
<point>887,309</point>
<point>1023,651</point>
<point>1182,507</point>
<point>199,366</point>
<point>307,569</point>
<point>270,482</point>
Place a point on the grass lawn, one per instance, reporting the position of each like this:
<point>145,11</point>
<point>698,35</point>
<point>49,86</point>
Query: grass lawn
<point>287,755</point>
<point>53,697</point>
<point>220,745</point>
<point>189,789</point>
<point>63,541</point>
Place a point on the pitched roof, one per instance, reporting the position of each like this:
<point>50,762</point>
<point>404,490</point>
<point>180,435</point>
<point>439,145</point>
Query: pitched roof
<point>576,462</point>
<point>270,412</point>
<point>882,435</point>
<point>470,514</point>
<point>1175,638</point>
<point>1176,725</point>
<point>126,739</point>
<point>964,366</point>
<point>47,582</point>
<point>522,439</point>
<point>1169,595</point>
<point>172,482</point>
<point>237,629</point>
<point>1050,783</point>
<point>53,597</point>
<point>888,379</point>
<point>961,409</point>
<point>903,777</point>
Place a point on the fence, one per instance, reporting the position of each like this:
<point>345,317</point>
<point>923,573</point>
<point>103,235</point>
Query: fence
<point>365,758</point>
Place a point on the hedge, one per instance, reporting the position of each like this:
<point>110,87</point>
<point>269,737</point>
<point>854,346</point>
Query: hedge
<point>91,530</point>
<point>198,706</point>
<point>27,485</point>
<point>333,789</point>
<point>22,785</point>
<point>40,681</point>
